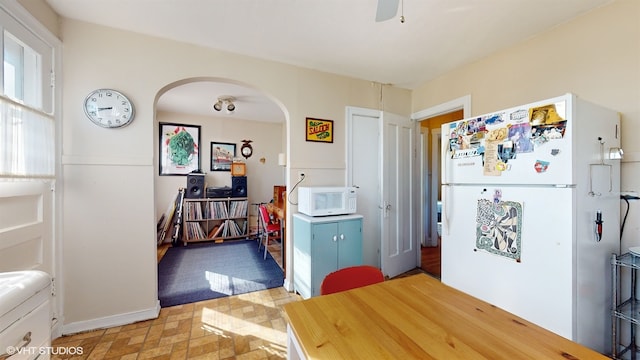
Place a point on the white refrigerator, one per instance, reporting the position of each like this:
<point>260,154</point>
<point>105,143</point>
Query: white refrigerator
<point>531,213</point>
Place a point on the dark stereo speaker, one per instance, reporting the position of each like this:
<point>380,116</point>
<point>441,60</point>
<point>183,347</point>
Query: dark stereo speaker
<point>239,186</point>
<point>195,186</point>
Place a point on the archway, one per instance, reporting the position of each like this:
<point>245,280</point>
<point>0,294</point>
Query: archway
<point>258,117</point>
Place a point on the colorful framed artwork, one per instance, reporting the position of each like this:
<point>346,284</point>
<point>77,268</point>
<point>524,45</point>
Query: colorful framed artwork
<point>222,155</point>
<point>319,130</point>
<point>179,152</point>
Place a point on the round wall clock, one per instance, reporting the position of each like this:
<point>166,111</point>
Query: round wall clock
<point>109,108</point>
<point>246,149</point>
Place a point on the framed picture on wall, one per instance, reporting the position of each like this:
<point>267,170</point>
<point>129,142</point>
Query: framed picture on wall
<point>179,151</point>
<point>222,155</point>
<point>319,130</point>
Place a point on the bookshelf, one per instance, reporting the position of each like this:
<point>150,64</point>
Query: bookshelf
<point>215,219</point>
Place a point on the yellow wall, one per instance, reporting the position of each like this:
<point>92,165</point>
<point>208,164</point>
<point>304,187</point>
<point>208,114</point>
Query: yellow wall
<point>435,123</point>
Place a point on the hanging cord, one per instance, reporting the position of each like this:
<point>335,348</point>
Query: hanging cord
<point>624,219</point>
<point>293,188</point>
<point>626,199</point>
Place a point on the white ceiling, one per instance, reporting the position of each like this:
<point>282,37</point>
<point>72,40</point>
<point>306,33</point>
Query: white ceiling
<point>337,36</point>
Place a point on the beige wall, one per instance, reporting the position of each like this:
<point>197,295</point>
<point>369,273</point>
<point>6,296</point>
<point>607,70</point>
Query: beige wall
<point>110,175</point>
<point>596,57</point>
<point>43,13</point>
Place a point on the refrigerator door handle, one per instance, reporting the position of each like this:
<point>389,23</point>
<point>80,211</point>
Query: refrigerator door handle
<point>445,208</point>
<point>445,159</point>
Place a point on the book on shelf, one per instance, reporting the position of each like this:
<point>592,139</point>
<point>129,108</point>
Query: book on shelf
<point>195,231</point>
<point>238,208</point>
<point>193,210</point>
<point>213,231</point>
<point>217,210</point>
<point>220,230</point>
<point>225,230</point>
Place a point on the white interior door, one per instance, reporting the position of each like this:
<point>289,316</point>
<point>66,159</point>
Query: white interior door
<point>363,165</point>
<point>381,164</point>
<point>399,238</point>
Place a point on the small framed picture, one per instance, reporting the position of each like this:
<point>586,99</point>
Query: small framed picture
<point>222,155</point>
<point>179,149</point>
<point>319,130</point>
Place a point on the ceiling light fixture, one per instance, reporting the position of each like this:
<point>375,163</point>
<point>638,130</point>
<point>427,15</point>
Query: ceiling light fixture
<point>228,100</point>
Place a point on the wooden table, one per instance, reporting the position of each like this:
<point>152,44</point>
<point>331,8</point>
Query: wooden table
<point>417,317</point>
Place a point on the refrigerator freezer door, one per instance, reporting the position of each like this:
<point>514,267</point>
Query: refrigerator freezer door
<point>511,146</point>
<point>537,285</point>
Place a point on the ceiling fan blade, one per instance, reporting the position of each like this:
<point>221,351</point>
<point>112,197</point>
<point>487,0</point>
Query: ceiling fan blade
<point>387,9</point>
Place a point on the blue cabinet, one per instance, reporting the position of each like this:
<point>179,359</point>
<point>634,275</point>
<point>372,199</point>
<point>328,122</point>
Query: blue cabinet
<point>322,245</point>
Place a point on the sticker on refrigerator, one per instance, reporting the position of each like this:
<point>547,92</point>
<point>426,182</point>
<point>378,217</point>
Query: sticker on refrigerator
<point>496,157</point>
<point>491,163</point>
<point>541,166</point>
<point>497,196</point>
<point>519,115</point>
<point>465,139</point>
<point>520,134</point>
<point>544,115</point>
<point>541,134</point>
<point>494,119</point>
<point>499,228</point>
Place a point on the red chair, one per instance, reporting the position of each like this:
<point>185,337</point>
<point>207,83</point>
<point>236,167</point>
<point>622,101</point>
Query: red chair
<point>350,278</point>
<point>269,231</point>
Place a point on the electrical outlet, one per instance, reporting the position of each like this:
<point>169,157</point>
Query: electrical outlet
<point>301,175</point>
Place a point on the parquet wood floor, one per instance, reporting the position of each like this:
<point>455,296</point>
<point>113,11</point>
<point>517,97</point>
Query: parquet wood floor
<point>247,326</point>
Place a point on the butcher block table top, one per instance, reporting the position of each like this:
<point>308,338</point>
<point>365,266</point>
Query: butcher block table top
<point>417,317</point>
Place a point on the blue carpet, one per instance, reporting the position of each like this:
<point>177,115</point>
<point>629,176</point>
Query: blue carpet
<point>198,272</point>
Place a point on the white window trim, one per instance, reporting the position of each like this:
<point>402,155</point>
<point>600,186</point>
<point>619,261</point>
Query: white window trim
<point>13,8</point>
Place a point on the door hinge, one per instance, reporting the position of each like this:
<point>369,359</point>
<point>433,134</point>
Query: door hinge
<point>53,286</point>
<point>53,79</point>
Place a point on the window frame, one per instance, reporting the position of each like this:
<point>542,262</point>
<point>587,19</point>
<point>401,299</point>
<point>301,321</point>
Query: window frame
<point>24,26</point>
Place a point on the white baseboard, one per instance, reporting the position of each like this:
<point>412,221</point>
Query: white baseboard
<point>56,330</point>
<point>111,321</point>
<point>288,285</point>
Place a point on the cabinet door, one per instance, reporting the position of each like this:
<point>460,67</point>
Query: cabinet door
<point>349,243</point>
<point>324,242</point>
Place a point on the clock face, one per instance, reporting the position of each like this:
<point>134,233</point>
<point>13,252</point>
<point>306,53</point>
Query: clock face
<point>238,169</point>
<point>246,150</point>
<point>108,108</point>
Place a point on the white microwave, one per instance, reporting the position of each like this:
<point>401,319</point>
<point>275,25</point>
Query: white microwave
<point>323,201</point>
